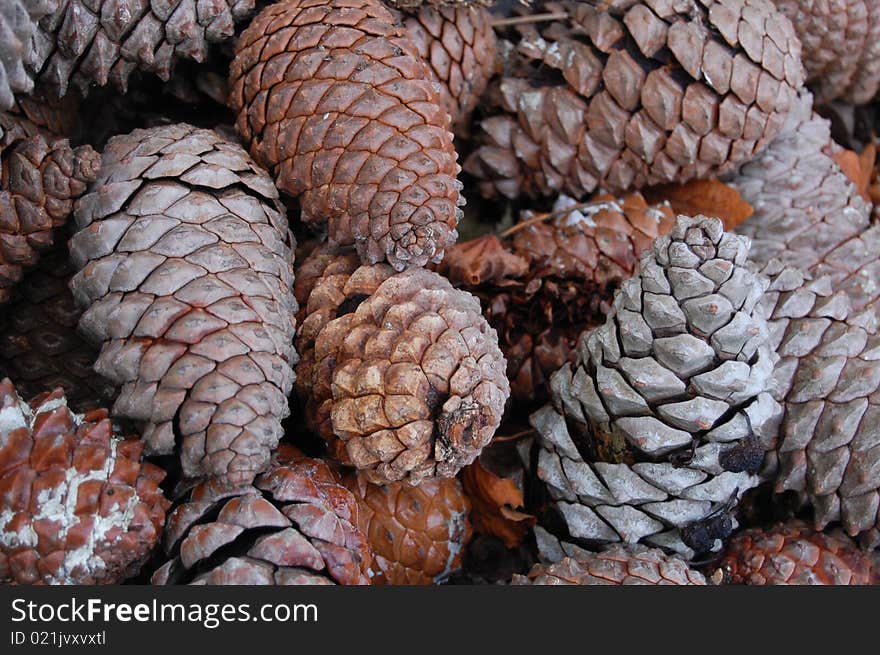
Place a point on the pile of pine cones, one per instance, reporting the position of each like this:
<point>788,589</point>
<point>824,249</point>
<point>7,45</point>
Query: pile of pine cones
<point>253,333</point>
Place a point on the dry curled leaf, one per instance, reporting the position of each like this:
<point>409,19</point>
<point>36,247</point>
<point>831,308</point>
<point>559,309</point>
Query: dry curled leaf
<point>480,261</point>
<point>709,197</point>
<point>859,168</point>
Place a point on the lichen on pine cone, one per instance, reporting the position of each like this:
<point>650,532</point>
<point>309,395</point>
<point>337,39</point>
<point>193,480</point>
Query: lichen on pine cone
<point>794,554</point>
<point>804,204</point>
<point>39,346</point>
<point>96,42</point>
<point>77,504</point>
<point>459,45</point>
<point>662,423</point>
<point>401,374</point>
<point>336,102</point>
<point>295,526</point>
<point>185,274</point>
<point>616,565</point>
<point>18,22</point>
<point>636,93</point>
<point>40,178</point>
<point>417,533</point>
<point>553,278</point>
<point>840,46</point>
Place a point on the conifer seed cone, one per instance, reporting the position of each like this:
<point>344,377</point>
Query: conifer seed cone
<point>295,526</point>
<point>636,93</point>
<point>402,375</point>
<point>18,21</point>
<point>417,533</point>
<point>795,554</point>
<point>336,102</point>
<point>185,275</point>
<point>77,504</point>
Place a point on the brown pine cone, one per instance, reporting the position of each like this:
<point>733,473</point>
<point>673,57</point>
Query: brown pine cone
<point>840,45</point>
<point>794,554</point>
<point>296,526</point>
<point>402,375</point>
<point>417,533</point>
<point>412,4</point>
<point>77,504</point>
<point>637,93</point>
<point>572,260</point>
<point>459,45</point>
<point>617,565</point>
<point>88,42</point>
<point>804,204</point>
<point>346,118</point>
<point>46,113</point>
<point>40,178</point>
<point>186,272</point>
<point>39,346</point>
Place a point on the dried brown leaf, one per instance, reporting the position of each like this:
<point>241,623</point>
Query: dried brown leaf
<point>481,260</point>
<point>709,197</point>
<point>496,504</point>
<point>859,168</point>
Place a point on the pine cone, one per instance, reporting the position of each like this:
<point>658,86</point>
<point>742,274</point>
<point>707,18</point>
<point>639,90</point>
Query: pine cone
<point>402,375</point>
<point>186,277</point>
<point>417,534</point>
<point>616,98</point>
<point>40,180</point>
<point>413,4</point>
<point>794,554</point>
<point>841,46</point>
<point>804,204</point>
<point>18,21</point>
<point>88,42</point>
<point>44,113</point>
<point>345,117</point>
<point>78,504</point>
<point>571,263</point>
<point>829,450</point>
<point>459,45</point>
<point>617,565</point>
<point>39,344</point>
<point>295,526</point>
<point>663,422</point>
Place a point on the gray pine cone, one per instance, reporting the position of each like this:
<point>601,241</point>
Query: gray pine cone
<point>18,20</point>
<point>663,421</point>
<point>186,275</point>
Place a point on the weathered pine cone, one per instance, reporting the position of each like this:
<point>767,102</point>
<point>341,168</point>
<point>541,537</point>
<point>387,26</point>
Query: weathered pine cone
<point>78,504</point>
<point>39,346</point>
<point>840,46</point>
<point>88,42</point>
<point>828,379</point>
<point>346,118</point>
<point>459,45</point>
<point>662,423</point>
<point>413,4</point>
<point>186,272</point>
<point>402,375</point>
<point>804,204</point>
<point>794,554</point>
<point>40,178</point>
<point>616,565</point>
<point>296,526</point>
<point>417,533</point>
<point>18,21</point>
<point>637,94</point>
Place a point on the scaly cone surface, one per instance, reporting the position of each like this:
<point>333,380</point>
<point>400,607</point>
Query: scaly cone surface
<point>77,504</point>
<point>18,22</point>
<point>336,102</point>
<point>186,274</point>
<point>402,375</point>
<point>296,526</point>
<point>417,533</point>
<point>841,46</point>
<point>662,424</point>
<point>636,93</point>
<point>87,42</point>
<point>616,565</point>
<point>794,554</point>
<point>459,45</point>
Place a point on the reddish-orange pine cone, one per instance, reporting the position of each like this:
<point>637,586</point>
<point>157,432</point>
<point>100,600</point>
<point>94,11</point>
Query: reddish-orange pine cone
<point>77,504</point>
<point>795,554</point>
<point>417,533</point>
<point>335,100</point>
<point>401,374</point>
